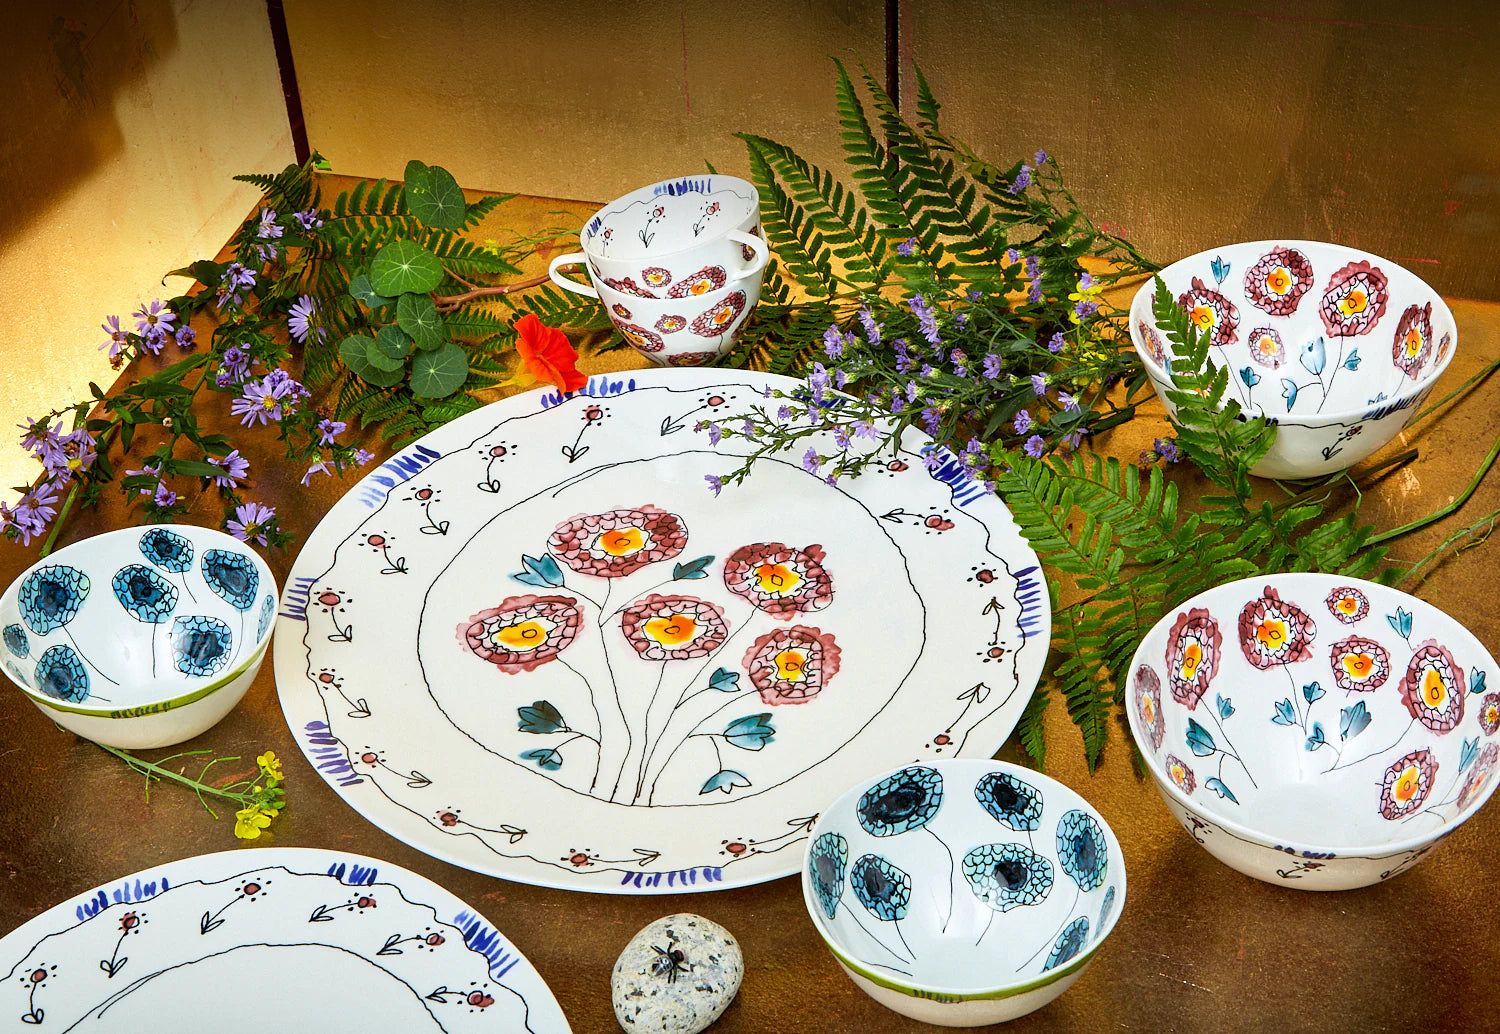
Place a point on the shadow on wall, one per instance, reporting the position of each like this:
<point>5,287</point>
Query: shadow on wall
<point>65,65</point>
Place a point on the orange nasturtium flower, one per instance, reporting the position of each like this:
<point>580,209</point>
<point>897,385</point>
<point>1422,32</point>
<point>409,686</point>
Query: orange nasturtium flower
<point>546,355</point>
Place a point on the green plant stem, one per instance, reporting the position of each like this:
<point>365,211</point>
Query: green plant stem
<point>1488,522</point>
<point>61,517</point>
<point>148,769</point>
<point>1452,507</point>
<point>1472,382</point>
<point>1317,491</point>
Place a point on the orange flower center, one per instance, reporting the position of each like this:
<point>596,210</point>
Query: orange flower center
<point>1413,342</point>
<point>1347,605</point>
<point>622,541</point>
<point>702,286</point>
<point>791,665</point>
<point>1179,776</point>
<point>777,578</point>
<point>1191,658</point>
<point>1354,303</point>
<point>672,629</point>
<point>1148,710</point>
<point>1434,692</point>
<point>1203,316</point>
<point>1271,633</point>
<point>724,315</point>
<point>1266,344</point>
<point>1359,665</point>
<point>525,635</point>
<point>1491,715</point>
<point>1407,784</point>
<point>1279,281</point>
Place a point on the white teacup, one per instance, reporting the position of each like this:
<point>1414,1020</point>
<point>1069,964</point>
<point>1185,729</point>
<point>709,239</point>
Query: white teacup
<point>688,331</point>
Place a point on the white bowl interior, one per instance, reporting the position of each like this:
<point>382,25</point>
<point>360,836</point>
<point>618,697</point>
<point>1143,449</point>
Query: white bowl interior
<point>1314,711</point>
<point>1307,329</point>
<point>963,876</point>
<point>670,216</point>
<point>135,617</point>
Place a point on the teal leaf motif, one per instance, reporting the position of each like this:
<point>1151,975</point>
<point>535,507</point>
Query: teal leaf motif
<point>1249,376</point>
<point>724,680</point>
<point>1314,356</point>
<point>693,568</point>
<point>1353,720</point>
<point>1312,692</point>
<point>1220,268</point>
<point>405,267</point>
<point>1226,706</point>
<point>1199,739</point>
<point>547,758</point>
<point>752,732</point>
<point>1476,680</point>
<point>726,779</point>
<point>1285,713</point>
<point>540,717</point>
<point>1401,622</point>
<point>1352,363</point>
<point>542,572</point>
<point>1216,784</point>
<point>1470,752</point>
<point>1289,392</point>
<point>1316,739</point>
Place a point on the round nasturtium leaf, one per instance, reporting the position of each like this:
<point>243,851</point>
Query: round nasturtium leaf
<point>389,349</point>
<point>405,267</point>
<point>439,372</point>
<point>354,350</point>
<point>418,316</point>
<point>433,196</point>
<point>361,290</point>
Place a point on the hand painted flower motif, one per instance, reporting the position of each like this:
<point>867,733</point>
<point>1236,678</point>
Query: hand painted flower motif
<point>1210,311</point>
<point>1007,876</point>
<point>1354,301</point>
<point>1433,688</point>
<point>656,276</point>
<point>60,674</point>
<point>145,595</point>
<point>1277,282</point>
<point>1479,776</point>
<point>1193,655</point>
<point>232,577</point>
<point>1359,664</point>
<point>627,285</point>
<point>523,632</point>
<point>717,320</point>
<point>620,311</point>
<point>1489,713</point>
<point>1081,850</point>
<point>1413,340</point>
<point>618,542</point>
<point>16,641</point>
<point>267,613</point>
<point>671,324</point>
<point>1069,943</point>
<point>882,887</point>
<point>674,628</point>
<point>1180,773</point>
<point>902,802</point>
<point>1010,801</point>
<point>1407,783</point>
<point>691,358</point>
<point>1155,346</point>
<point>50,597</point>
<point>1444,343</point>
<point>200,645</point>
<point>1148,704</point>
<point>1348,604</point>
<point>1273,631</point>
<point>1266,347</point>
<point>826,861</point>
<point>709,278</point>
<point>779,579</point>
<point>640,338</point>
<point>791,665</point>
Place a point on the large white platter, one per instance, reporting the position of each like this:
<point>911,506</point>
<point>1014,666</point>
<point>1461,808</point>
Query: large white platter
<point>276,939</point>
<point>536,644</point>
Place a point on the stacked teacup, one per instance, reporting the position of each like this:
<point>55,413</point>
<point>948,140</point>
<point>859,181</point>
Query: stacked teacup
<point>678,266</point>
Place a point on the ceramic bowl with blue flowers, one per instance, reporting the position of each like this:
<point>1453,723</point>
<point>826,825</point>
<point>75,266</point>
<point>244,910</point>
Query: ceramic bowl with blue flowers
<point>1338,347</point>
<point>963,892</point>
<point>1316,731</point>
<point>141,637</point>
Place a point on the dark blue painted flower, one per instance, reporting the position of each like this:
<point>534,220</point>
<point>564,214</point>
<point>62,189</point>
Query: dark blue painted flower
<point>1081,849</point>
<point>232,576</point>
<point>905,801</point>
<point>146,595</point>
<point>1010,801</point>
<point>1005,876</point>
<point>16,641</point>
<point>1105,911</point>
<point>167,549</point>
<point>1069,943</point>
<point>200,645</point>
<point>267,612</point>
<point>882,888</point>
<point>60,674</point>
<point>50,596</point>
<point>826,860</point>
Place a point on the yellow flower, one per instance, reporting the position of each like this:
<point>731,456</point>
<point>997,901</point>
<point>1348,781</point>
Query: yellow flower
<point>270,764</point>
<point>248,822</point>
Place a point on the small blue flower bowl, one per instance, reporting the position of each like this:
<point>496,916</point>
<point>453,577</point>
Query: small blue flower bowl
<point>963,892</point>
<point>142,637</point>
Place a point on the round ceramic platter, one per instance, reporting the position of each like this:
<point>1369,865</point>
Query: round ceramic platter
<point>284,939</point>
<point>537,645</point>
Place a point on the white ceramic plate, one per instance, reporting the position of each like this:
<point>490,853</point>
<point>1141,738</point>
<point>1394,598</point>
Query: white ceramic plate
<point>536,644</point>
<point>276,939</point>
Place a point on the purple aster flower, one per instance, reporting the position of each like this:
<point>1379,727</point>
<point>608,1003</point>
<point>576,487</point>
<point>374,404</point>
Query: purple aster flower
<point>187,337</point>
<point>235,281</point>
<point>1074,440</point>
<point>35,511</point>
<point>151,468</point>
<point>320,467</point>
<point>992,366</point>
<point>872,329</point>
<point>1034,446</point>
<point>784,413</point>
<point>840,378</point>
<point>810,460</point>
<point>265,400</point>
<point>904,359</point>
<point>906,247</point>
<point>831,480</point>
<point>118,341</point>
<point>153,340</point>
<point>932,420</point>
<point>931,460</point>
<point>864,429</point>
<point>977,294</point>
<point>235,363</point>
<point>833,341</point>
<point>40,438</point>
<point>715,434</point>
<point>1166,448</point>
<point>298,322</point>
<point>715,482</point>
<point>1085,308</point>
<point>163,496</point>
<point>1040,159</point>
<point>328,430</point>
<point>73,454</point>
<point>1023,422</point>
<point>818,381</point>
<point>1012,256</point>
<point>926,319</point>
<point>154,317</point>
<point>250,520</point>
<point>1039,384</point>
<point>361,457</point>
<point>1055,342</point>
<point>841,436</point>
<point>1023,180</point>
<point>961,320</point>
<point>235,468</point>
<point>897,403</point>
<point>308,220</point>
<point>268,226</point>
<point>748,428</point>
<point>911,391</point>
<point>973,451</point>
<point>1069,403</point>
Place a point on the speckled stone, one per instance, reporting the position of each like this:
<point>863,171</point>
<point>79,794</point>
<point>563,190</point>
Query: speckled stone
<point>654,991</point>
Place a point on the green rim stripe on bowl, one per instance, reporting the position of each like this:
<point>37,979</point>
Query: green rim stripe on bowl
<point>1051,977</point>
<point>158,707</point>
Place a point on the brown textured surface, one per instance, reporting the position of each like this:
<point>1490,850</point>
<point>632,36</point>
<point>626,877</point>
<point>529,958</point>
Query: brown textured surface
<point>1199,947</point>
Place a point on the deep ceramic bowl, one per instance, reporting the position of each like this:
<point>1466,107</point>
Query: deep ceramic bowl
<point>1339,347</point>
<point>141,637</point>
<point>687,331</point>
<point>1315,731</point>
<point>963,892</point>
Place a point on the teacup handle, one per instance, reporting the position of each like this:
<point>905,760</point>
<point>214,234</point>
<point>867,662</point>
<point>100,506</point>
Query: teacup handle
<point>578,258</point>
<point>762,253</point>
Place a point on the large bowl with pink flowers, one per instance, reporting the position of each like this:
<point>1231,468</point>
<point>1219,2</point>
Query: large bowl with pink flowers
<point>1316,731</point>
<point>1338,347</point>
